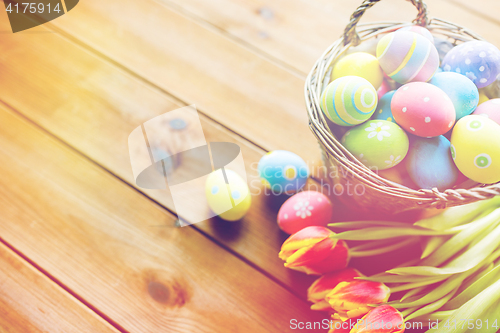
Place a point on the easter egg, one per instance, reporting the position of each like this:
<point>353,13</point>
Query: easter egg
<point>360,64</point>
<point>283,171</point>
<point>419,30</point>
<point>475,148</point>
<point>349,100</point>
<point>384,107</point>
<point>399,175</point>
<point>423,109</point>
<point>231,200</point>
<point>384,89</point>
<point>305,209</point>
<point>478,60</point>
<point>443,46</point>
<point>489,109</point>
<point>482,98</point>
<point>406,57</point>
<point>461,90</point>
<point>377,144</point>
<point>430,165</point>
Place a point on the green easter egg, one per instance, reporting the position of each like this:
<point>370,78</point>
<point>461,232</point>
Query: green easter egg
<point>378,144</point>
<point>349,100</point>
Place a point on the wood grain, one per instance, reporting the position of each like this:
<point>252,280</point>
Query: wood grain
<point>95,235</point>
<point>31,302</point>
<point>234,86</point>
<point>94,106</point>
<point>293,33</point>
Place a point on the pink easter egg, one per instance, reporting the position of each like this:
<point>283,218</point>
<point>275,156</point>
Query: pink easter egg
<point>423,109</point>
<point>305,209</point>
<point>419,30</point>
<point>489,109</point>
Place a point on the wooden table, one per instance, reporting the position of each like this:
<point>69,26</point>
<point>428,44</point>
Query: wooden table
<point>82,249</point>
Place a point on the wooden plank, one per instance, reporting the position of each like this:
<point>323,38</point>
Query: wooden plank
<point>486,8</point>
<point>93,106</point>
<point>290,32</point>
<point>94,234</point>
<point>230,84</point>
<point>31,302</point>
<point>284,29</point>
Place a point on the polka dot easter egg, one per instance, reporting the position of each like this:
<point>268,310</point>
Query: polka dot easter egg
<point>475,148</point>
<point>283,171</point>
<point>406,57</point>
<point>461,90</point>
<point>349,100</point>
<point>478,60</point>
<point>230,201</point>
<point>377,144</point>
<point>305,209</point>
<point>490,109</point>
<point>419,30</point>
<point>360,64</point>
<point>430,165</point>
<point>423,109</point>
<point>384,107</point>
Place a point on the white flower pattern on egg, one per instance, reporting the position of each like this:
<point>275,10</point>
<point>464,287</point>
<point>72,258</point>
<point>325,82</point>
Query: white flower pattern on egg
<point>378,130</point>
<point>303,209</point>
<point>393,161</point>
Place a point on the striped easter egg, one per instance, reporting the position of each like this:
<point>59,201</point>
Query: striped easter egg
<point>349,100</point>
<point>406,56</point>
<point>419,30</point>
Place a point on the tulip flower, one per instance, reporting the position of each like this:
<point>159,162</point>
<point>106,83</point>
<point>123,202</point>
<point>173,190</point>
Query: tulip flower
<point>325,284</point>
<point>352,299</point>
<point>312,250</point>
<point>382,319</point>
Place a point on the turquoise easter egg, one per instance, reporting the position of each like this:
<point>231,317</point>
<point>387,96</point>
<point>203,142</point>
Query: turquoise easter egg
<point>378,144</point>
<point>430,165</point>
<point>283,171</point>
<point>231,200</point>
<point>349,100</point>
<point>461,90</point>
<point>406,56</point>
<point>384,107</point>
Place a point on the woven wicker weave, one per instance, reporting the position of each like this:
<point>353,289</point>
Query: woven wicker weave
<point>380,193</point>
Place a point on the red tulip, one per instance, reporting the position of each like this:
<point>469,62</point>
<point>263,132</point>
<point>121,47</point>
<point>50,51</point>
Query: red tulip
<point>313,251</point>
<point>325,284</point>
<point>352,299</point>
<point>382,319</point>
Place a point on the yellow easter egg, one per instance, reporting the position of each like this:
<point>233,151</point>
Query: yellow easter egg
<point>482,97</point>
<point>475,148</point>
<point>360,64</point>
<point>231,200</point>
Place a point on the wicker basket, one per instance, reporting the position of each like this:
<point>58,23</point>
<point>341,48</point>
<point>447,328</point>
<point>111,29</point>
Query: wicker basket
<point>379,193</point>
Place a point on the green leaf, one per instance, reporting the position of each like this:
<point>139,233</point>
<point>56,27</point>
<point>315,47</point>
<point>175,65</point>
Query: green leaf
<point>464,262</point>
<point>431,243</point>
<point>459,215</point>
<point>479,285</point>
<point>437,315</point>
<point>461,239</point>
<point>484,306</point>
<point>414,287</point>
<point>376,233</point>
<point>390,278</point>
<point>432,306</point>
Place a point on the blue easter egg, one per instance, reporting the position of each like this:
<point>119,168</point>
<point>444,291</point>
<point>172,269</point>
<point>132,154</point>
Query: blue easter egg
<point>478,60</point>
<point>430,164</point>
<point>283,171</point>
<point>384,107</point>
<point>461,90</point>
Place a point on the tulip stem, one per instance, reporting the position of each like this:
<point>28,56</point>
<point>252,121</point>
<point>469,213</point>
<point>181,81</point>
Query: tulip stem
<point>356,254</point>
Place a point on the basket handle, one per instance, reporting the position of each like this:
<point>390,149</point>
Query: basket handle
<point>350,34</point>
